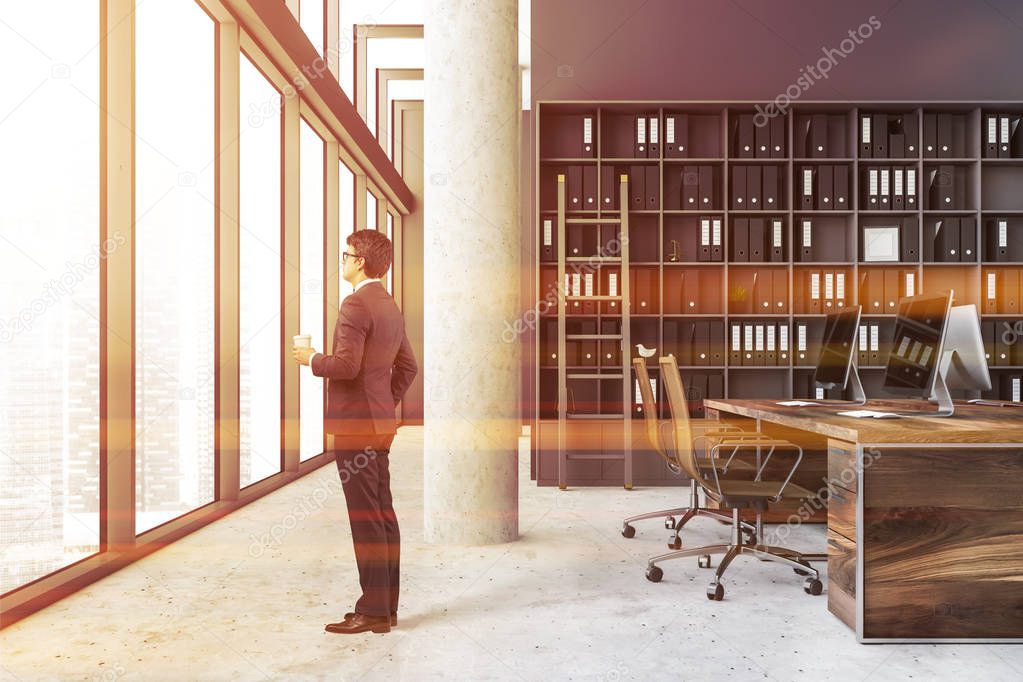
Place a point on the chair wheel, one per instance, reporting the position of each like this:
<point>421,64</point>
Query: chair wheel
<point>813,586</point>
<point>562,487</point>
<point>654,574</point>
<point>675,544</point>
<point>628,531</point>
<point>669,522</point>
<point>704,561</point>
<point>715,591</point>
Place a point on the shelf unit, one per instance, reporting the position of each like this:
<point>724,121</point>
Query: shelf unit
<point>992,191</point>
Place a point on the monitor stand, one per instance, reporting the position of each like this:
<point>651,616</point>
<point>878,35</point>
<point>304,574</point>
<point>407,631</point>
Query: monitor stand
<point>939,394</point>
<point>859,396</point>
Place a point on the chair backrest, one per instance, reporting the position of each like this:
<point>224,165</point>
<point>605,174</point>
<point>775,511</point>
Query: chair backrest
<point>685,454</point>
<point>653,431</point>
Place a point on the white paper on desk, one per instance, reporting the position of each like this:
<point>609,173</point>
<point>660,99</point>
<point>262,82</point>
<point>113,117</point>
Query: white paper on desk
<point>796,403</point>
<point>860,414</point>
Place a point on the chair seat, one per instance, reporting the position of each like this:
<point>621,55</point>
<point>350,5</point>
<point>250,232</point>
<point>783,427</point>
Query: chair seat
<point>743,492</point>
<point>736,465</point>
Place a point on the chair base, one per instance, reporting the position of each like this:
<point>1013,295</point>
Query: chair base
<point>685,514</point>
<point>743,544</point>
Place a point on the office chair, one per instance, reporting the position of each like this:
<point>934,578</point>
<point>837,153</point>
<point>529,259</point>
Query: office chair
<point>656,437</point>
<point>734,495</point>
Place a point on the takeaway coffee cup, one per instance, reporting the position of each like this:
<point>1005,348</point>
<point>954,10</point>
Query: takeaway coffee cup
<point>302,340</point>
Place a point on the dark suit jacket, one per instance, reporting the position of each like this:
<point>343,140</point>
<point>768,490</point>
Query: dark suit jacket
<point>370,367</point>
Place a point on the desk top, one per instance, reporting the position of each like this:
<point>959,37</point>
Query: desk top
<point>969,424</point>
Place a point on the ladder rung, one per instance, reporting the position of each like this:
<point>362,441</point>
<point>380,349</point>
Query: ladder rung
<point>593,337</point>
<point>593,376</point>
<point>613,415</point>
<point>601,455</point>
<point>592,221</point>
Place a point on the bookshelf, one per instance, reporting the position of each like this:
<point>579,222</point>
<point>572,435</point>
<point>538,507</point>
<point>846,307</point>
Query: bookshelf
<point>686,299</point>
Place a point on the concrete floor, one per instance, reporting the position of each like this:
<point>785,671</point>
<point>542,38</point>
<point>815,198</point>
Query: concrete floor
<point>567,601</point>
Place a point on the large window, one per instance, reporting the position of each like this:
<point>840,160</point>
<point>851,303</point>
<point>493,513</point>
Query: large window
<point>311,260</point>
<point>174,265</point>
<point>260,350</point>
<point>49,288</point>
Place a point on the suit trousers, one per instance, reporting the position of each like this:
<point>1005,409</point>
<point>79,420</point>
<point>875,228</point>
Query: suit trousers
<point>362,463</point>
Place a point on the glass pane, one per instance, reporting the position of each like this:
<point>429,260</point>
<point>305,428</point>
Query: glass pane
<point>260,352</point>
<point>389,280</point>
<point>311,21</point>
<point>346,218</point>
<point>399,90</point>
<point>49,288</point>
<point>174,266</point>
<point>371,211</point>
<point>311,388</point>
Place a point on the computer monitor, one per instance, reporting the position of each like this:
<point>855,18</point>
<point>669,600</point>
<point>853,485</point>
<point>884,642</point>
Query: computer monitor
<point>936,348</point>
<point>917,345</point>
<point>836,364</point>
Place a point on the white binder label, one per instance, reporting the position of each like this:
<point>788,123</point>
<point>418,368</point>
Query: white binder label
<point>759,337</point>
<point>829,285</point>
<point>801,337</point>
<point>992,130</point>
<point>807,233</point>
<point>910,284</point>
<point>641,130</point>
<point>770,337</point>
<point>1003,233</point>
<point>576,284</point>
<point>875,331</point>
<point>736,338</point>
<point>884,182</point>
<point>612,284</point>
<point>903,345</point>
<point>865,122</point>
<point>898,181</point>
<point>926,355</point>
<point>1015,389</point>
<point>840,286</point>
<point>783,338</point>
<point>815,285</point>
<point>807,182</point>
<point>716,232</point>
<point>653,130</point>
<point>776,234</point>
<point>864,341</point>
<point>992,286</point>
<point>819,393</point>
<point>1004,132</point>
<point>747,337</point>
<point>911,182</point>
<point>589,284</point>
<point>588,130</point>
<point>669,130</point>
<point>705,232</point>
<point>548,232</point>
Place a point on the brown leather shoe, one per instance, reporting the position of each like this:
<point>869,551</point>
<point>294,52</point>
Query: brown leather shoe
<point>394,618</point>
<point>360,623</point>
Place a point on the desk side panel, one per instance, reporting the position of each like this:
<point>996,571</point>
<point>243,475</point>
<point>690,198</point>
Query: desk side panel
<point>942,543</point>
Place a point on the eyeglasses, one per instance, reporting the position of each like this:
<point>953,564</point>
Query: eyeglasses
<point>345,256</point>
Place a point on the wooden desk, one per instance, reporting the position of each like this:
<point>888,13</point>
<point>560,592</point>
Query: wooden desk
<point>925,518</point>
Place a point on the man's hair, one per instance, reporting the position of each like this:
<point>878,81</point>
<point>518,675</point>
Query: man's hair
<point>375,248</point>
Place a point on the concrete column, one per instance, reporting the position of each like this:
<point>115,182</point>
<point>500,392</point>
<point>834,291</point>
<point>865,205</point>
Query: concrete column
<point>472,272</point>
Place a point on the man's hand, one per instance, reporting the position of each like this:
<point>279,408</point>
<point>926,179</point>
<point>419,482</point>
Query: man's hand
<point>302,354</point>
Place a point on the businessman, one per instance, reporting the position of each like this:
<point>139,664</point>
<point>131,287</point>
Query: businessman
<point>368,371</point>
